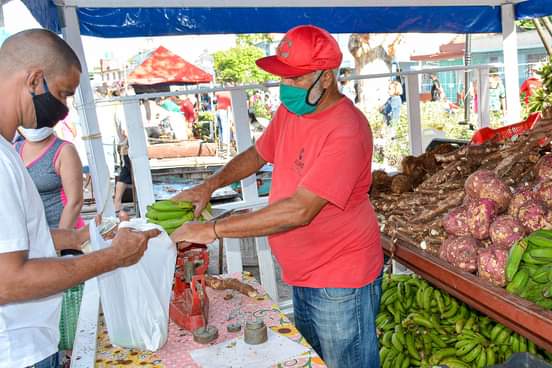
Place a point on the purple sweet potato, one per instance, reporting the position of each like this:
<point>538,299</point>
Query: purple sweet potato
<point>505,231</point>
<point>484,184</point>
<point>544,193</point>
<point>532,215</point>
<point>543,168</point>
<point>461,252</point>
<point>519,199</point>
<point>456,222</point>
<point>481,214</point>
<point>492,265</point>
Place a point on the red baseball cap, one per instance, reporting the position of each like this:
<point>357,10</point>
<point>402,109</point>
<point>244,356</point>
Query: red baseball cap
<point>303,50</point>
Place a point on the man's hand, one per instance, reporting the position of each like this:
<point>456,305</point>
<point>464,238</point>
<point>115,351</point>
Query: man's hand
<point>195,232</point>
<point>129,245</point>
<point>199,195</point>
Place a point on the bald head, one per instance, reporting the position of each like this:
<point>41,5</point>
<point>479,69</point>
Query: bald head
<point>37,48</point>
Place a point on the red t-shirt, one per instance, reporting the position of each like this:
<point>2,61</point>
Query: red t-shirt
<point>330,154</point>
<point>529,86</point>
<point>224,100</point>
<point>187,108</point>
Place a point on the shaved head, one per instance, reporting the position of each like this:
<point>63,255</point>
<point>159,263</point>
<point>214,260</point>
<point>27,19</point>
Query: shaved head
<point>37,48</point>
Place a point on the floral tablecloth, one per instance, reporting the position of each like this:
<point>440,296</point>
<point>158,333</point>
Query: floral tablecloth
<point>176,352</point>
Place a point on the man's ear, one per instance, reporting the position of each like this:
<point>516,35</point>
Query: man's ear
<point>34,79</point>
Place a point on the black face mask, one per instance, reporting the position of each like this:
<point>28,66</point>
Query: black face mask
<point>49,110</point>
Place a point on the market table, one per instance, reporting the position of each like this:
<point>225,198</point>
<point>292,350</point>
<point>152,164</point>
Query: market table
<point>180,346</point>
<point>520,315</point>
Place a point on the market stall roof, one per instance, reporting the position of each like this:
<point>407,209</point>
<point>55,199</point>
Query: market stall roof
<point>164,67</point>
<point>141,18</point>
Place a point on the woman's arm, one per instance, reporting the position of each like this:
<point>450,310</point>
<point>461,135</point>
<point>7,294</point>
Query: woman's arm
<point>69,167</point>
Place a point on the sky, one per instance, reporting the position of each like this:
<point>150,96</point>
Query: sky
<point>18,18</point>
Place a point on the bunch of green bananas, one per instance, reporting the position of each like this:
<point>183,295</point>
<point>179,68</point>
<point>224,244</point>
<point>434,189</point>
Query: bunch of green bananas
<point>542,98</point>
<point>171,215</point>
<point>529,268</point>
<point>421,326</point>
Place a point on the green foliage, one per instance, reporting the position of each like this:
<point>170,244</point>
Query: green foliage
<point>206,116</point>
<point>237,65</point>
<point>528,24</point>
<point>260,109</point>
<point>253,39</point>
<point>391,145</point>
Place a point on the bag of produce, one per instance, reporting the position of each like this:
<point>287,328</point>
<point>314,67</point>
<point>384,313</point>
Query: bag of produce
<point>135,300</point>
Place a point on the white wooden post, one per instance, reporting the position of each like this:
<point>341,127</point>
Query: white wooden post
<point>84,352</point>
<point>243,140</point>
<point>250,194</point>
<point>483,97</point>
<point>414,114</point>
<point>511,71</point>
<point>88,118</point>
<point>138,154</point>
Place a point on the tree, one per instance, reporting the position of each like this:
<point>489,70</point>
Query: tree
<point>237,65</point>
<point>373,54</point>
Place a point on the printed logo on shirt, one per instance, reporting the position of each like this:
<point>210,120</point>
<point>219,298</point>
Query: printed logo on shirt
<point>300,162</point>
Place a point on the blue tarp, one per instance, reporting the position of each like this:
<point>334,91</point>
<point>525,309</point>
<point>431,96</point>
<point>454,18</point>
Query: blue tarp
<point>143,22</point>
<point>534,9</point>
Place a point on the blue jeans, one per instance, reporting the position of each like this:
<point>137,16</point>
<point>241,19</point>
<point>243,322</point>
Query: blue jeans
<point>51,362</point>
<point>339,323</point>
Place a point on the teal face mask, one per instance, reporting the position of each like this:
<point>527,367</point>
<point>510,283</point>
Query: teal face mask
<point>296,99</point>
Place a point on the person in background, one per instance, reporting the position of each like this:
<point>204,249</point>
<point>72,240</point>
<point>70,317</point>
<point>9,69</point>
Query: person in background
<point>56,170</point>
<point>391,110</point>
<point>436,89</point>
<point>497,94</point>
<point>530,85</point>
<point>223,110</point>
<point>124,180</point>
<point>40,71</point>
<point>321,225</point>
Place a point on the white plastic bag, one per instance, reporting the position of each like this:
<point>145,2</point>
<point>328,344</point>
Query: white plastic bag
<point>135,300</point>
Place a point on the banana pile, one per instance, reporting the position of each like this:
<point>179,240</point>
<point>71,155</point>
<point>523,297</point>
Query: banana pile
<point>421,326</point>
<point>542,98</point>
<point>171,215</point>
<point>529,268</point>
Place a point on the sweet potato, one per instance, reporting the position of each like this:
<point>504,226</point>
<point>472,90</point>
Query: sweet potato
<point>484,184</point>
<point>518,199</point>
<point>456,222</point>
<point>461,252</point>
<point>481,214</point>
<point>492,265</point>
<point>532,215</point>
<point>544,193</point>
<point>505,231</point>
<point>543,168</point>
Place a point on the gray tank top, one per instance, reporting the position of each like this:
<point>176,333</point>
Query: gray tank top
<point>47,180</point>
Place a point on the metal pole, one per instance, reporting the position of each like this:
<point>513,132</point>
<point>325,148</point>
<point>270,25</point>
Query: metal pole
<point>467,62</point>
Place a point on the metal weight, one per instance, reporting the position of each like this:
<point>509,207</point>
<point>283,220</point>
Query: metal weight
<point>255,332</point>
<point>205,335</point>
<point>233,327</point>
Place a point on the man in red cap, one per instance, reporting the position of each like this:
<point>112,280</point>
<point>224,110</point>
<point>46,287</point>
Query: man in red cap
<point>321,225</point>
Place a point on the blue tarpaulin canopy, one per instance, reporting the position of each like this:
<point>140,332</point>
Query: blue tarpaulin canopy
<point>141,19</point>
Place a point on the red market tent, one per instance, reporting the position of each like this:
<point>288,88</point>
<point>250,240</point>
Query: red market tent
<point>164,68</point>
